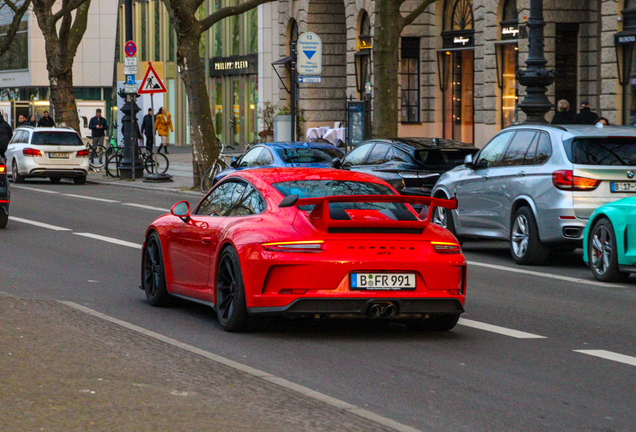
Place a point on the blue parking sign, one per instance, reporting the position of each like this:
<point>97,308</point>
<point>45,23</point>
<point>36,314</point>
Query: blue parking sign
<point>130,79</point>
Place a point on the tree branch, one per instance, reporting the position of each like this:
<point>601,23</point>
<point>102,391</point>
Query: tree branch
<point>68,8</point>
<point>18,13</point>
<point>228,11</point>
<point>416,12</point>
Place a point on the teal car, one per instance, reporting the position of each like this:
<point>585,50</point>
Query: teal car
<point>609,241</point>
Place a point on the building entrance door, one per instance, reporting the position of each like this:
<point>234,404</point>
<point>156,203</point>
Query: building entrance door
<point>20,108</point>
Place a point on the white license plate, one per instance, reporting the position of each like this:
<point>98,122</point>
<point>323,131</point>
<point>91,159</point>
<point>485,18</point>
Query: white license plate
<point>382,281</point>
<point>623,186</point>
<point>58,155</point>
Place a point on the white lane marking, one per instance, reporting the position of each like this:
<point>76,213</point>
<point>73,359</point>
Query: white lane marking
<point>34,189</point>
<point>147,207</point>
<point>305,391</point>
<point>91,198</point>
<point>109,240</point>
<point>38,224</point>
<point>545,275</point>
<point>500,330</point>
<point>608,355</point>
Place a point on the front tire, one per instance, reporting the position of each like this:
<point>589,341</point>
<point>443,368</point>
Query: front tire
<point>153,273</point>
<point>229,297</point>
<point>603,254</point>
<point>79,180</point>
<point>15,174</point>
<point>4,220</point>
<point>525,245</point>
<point>440,323</point>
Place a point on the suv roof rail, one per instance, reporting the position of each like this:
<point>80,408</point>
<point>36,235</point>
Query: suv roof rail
<point>563,128</point>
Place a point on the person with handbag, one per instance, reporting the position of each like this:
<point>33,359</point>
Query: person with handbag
<point>163,125</point>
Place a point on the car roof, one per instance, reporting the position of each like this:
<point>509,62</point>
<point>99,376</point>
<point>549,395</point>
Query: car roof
<point>423,143</point>
<point>46,129</point>
<point>297,144</point>
<point>275,175</point>
<point>581,130</point>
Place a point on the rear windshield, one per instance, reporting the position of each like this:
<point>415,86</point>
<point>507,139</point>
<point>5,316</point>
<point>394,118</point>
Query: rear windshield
<point>321,188</point>
<point>443,157</point>
<point>57,138</point>
<point>309,155</point>
<point>602,151</point>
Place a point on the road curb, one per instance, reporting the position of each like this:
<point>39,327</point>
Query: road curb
<point>146,188</point>
<point>288,385</point>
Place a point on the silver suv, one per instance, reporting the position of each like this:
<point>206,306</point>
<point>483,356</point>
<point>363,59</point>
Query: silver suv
<point>537,185</point>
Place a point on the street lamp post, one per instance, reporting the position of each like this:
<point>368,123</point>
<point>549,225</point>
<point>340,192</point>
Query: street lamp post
<point>536,77</point>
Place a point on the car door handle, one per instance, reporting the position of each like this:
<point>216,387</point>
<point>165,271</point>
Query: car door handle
<point>206,240</point>
<point>521,174</point>
<point>484,177</point>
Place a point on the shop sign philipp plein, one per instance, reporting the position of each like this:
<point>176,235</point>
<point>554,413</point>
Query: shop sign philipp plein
<point>309,47</point>
<point>234,65</point>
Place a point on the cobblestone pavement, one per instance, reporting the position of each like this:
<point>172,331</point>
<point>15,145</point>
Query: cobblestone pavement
<point>64,370</point>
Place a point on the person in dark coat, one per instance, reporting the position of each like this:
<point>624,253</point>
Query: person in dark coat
<point>586,116</point>
<point>147,128</point>
<point>22,121</point>
<point>6,133</point>
<point>31,121</point>
<point>563,116</point>
<point>46,120</point>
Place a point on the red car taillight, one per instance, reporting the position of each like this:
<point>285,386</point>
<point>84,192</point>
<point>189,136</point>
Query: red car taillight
<point>303,246</point>
<point>82,153</point>
<point>3,169</point>
<point>31,152</point>
<point>566,180</point>
<point>446,247</point>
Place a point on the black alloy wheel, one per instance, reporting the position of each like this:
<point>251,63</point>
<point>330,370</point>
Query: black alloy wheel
<point>526,247</point>
<point>230,293</point>
<point>602,253</point>
<point>437,323</point>
<point>153,277</point>
<point>15,175</point>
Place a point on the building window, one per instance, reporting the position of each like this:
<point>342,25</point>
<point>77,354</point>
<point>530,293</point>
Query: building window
<point>17,56</point>
<point>410,79</point>
<point>508,63</point>
<point>158,36</point>
<point>143,45</point>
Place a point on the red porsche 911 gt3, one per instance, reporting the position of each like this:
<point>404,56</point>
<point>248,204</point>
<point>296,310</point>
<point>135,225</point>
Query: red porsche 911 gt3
<point>307,242</point>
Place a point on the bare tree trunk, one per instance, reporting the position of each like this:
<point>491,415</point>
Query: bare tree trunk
<point>63,98</point>
<point>202,134</point>
<point>386,63</point>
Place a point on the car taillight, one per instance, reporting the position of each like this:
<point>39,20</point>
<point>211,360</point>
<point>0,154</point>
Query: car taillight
<point>31,152</point>
<point>3,169</point>
<point>566,180</point>
<point>82,153</point>
<point>303,246</point>
<point>446,247</point>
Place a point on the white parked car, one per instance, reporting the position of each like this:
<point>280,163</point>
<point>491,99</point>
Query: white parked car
<point>41,152</point>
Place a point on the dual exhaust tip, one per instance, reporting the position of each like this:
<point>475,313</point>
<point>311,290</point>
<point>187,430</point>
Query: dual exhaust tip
<point>383,310</point>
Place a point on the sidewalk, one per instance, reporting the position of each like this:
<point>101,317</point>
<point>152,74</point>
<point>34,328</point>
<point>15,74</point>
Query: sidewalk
<point>64,370</point>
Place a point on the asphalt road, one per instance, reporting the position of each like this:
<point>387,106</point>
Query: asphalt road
<point>514,363</point>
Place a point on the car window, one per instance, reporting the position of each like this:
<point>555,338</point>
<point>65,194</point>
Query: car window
<point>57,138</point>
<point>378,155</point>
<point>490,155</point>
<point>401,155</point>
<point>250,158</point>
<point>532,150</point>
<point>265,158</point>
<point>357,156</point>
<point>619,151</point>
<point>517,149</point>
<point>544,149</point>
<point>16,137</point>
<point>448,158</point>
<point>248,203</point>
<point>219,200</point>
<point>307,155</point>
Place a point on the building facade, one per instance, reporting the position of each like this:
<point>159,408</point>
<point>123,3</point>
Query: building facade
<point>458,61</point>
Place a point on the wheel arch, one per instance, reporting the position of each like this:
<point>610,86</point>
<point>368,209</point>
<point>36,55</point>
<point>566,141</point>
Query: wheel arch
<point>618,221</point>
<point>523,201</point>
<point>225,244</point>
<point>443,193</point>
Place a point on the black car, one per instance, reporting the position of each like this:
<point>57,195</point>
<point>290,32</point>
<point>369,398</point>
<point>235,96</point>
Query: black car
<point>410,165</point>
<point>4,194</point>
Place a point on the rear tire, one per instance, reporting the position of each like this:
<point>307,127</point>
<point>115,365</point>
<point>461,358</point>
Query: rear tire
<point>55,180</point>
<point>79,180</point>
<point>439,323</point>
<point>153,273</point>
<point>229,299</point>
<point>15,174</point>
<point>525,245</point>
<point>112,165</point>
<point>602,253</point>
<point>97,157</point>
<point>4,220</point>
<point>207,181</point>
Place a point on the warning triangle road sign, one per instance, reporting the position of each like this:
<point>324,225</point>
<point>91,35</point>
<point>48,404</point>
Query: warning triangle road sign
<point>151,82</point>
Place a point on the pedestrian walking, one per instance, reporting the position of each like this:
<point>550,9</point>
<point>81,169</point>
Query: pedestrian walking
<point>22,121</point>
<point>163,122</point>
<point>563,116</point>
<point>147,128</point>
<point>586,116</point>
<point>98,126</point>
<point>31,121</point>
<point>46,120</point>
<point>6,133</point>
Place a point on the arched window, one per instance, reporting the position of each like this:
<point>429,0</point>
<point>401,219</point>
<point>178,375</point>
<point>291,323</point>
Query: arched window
<point>629,15</point>
<point>510,11</point>
<point>365,24</point>
<point>458,15</point>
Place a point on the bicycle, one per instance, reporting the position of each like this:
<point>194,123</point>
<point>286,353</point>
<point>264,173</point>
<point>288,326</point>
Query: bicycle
<point>207,180</point>
<point>158,165</point>
<point>99,152</point>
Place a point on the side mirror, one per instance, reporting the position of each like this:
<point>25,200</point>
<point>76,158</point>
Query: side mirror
<point>234,162</point>
<point>468,161</point>
<point>336,163</point>
<point>181,210</point>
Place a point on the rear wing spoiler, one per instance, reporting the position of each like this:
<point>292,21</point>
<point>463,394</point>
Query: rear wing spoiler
<point>321,218</point>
